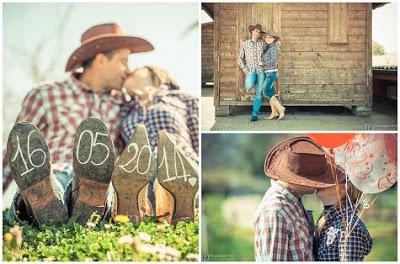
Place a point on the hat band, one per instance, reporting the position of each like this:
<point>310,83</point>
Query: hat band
<point>101,36</point>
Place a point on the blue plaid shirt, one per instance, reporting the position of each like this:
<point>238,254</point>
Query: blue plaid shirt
<point>173,111</point>
<point>332,244</point>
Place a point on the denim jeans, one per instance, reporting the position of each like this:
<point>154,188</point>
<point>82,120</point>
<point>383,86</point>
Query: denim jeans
<point>255,79</point>
<point>269,83</point>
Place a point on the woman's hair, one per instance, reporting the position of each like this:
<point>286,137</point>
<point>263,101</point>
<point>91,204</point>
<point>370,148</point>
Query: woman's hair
<point>354,195</point>
<point>160,77</point>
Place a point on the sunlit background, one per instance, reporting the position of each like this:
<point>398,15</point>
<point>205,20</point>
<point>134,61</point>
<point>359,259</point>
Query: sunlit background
<point>38,39</point>
<point>234,183</point>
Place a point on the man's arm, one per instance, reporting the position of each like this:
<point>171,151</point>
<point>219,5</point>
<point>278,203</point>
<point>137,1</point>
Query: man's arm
<point>33,111</point>
<point>272,237</point>
<point>241,58</point>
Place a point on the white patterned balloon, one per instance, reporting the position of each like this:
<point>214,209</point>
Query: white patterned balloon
<point>370,161</point>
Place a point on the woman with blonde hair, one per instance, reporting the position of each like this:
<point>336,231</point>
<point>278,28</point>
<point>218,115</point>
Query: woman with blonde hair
<point>340,234</point>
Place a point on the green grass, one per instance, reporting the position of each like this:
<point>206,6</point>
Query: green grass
<point>148,241</point>
<point>225,240</point>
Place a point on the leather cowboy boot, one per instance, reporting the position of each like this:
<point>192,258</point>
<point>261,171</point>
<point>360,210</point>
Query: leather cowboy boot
<point>179,176</point>
<point>30,165</point>
<point>93,163</point>
<point>131,174</point>
<point>274,113</point>
<point>278,107</point>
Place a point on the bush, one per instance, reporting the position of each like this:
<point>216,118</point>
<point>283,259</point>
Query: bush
<point>147,241</point>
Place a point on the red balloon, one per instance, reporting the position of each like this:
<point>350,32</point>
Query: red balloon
<point>330,140</point>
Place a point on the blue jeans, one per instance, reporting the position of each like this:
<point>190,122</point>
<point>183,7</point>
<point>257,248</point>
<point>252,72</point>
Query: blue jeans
<point>269,83</point>
<point>255,79</point>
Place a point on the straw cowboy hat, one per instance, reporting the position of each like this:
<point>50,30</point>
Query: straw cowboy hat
<point>301,161</point>
<point>102,38</point>
<point>274,34</point>
<point>258,26</point>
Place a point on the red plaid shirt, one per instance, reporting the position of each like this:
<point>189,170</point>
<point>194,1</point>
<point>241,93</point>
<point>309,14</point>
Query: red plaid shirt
<point>282,229</point>
<point>57,109</point>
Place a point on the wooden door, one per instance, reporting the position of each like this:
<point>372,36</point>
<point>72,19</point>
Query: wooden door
<point>266,14</point>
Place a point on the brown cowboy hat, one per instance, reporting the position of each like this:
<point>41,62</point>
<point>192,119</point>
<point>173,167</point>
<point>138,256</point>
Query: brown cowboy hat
<point>301,161</point>
<point>274,34</point>
<point>102,38</point>
<point>258,26</point>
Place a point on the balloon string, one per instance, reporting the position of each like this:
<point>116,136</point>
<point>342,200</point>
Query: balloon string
<point>364,207</point>
<point>334,173</point>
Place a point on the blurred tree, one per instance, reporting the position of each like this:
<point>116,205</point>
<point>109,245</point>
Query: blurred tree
<point>377,49</point>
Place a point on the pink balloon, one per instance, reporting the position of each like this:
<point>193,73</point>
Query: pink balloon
<point>370,161</point>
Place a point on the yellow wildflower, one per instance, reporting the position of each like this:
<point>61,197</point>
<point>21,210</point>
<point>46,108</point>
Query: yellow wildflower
<point>121,219</point>
<point>8,236</point>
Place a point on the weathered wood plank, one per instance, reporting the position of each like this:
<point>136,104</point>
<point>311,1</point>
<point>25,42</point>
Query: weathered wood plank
<point>227,17</point>
<point>323,56</point>
<point>228,46</point>
<point>318,39</point>
<point>304,6</point>
<point>228,29</point>
<point>305,14</point>
<point>290,47</point>
<point>304,23</point>
<point>323,72</point>
<point>357,31</point>
<point>217,60</point>
<point>325,80</point>
<point>228,63</point>
<point>228,37</point>
<point>228,6</point>
<point>357,23</point>
<point>357,14</point>
<point>357,6</point>
<point>345,64</point>
<point>320,31</point>
<point>338,23</point>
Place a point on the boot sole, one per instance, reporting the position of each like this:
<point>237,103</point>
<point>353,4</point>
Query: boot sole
<point>178,175</point>
<point>132,173</point>
<point>30,164</point>
<point>93,162</point>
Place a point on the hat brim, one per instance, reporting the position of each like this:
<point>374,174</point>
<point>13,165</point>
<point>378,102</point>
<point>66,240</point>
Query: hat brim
<point>90,49</point>
<point>325,180</point>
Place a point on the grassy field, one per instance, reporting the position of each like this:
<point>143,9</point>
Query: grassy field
<point>119,240</point>
<point>228,241</point>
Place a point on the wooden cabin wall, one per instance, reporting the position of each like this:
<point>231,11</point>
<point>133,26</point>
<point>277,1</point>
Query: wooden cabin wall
<point>207,53</point>
<point>227,47</point>
<point>312,71</point>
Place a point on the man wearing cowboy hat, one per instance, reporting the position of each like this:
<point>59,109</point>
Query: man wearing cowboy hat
<point>43,172</point>
<point>284,230</point>
<point>249,59</point>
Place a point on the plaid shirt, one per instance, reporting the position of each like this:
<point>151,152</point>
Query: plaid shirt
<point>57,109</point>
<point>331,246</point>
<point>283,232</point>
<point>173,111</point>
<point>250,53</point>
